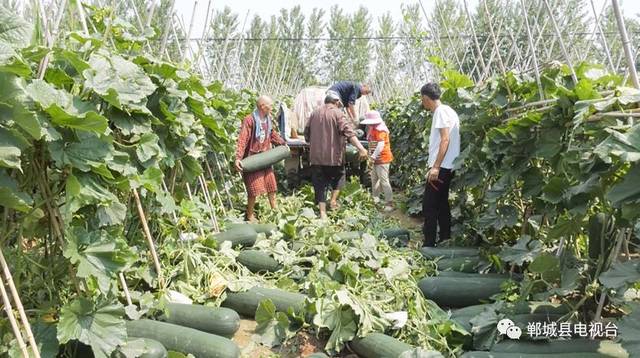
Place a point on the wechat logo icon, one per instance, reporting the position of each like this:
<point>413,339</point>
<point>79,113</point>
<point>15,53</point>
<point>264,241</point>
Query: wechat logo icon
<point>507,327</point>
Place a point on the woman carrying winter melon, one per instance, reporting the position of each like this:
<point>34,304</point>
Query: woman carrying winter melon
<point>256,136</point>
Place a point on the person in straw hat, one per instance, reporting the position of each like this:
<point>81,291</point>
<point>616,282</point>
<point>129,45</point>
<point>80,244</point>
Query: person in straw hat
<point>380,148</point>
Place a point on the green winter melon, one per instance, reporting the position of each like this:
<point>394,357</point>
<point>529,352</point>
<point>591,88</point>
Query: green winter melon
<point>266,159</point>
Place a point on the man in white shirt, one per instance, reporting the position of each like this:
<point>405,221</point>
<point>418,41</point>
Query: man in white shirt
<point>444,148</point>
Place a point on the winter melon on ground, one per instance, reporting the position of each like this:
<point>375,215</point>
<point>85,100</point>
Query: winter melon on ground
<point>217,320</point>
<point>448,252</point>
<point>183,339</point>
<point>459,264</point>
<point>258,261</point>
<point>560,347</point>
<point>531,355</point>
<point>266,229</point>
<point>246,303</point>
<point>460,291</point>
<point>239,236</point>
<point>378,345</point>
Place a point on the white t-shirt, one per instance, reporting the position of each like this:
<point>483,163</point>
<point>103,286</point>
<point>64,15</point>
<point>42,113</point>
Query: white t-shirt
<point>444,117</point>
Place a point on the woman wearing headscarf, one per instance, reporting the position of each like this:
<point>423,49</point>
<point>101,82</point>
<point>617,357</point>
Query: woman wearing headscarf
<point>256,136</point>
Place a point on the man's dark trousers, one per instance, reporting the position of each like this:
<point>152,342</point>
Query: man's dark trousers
<point>436,209</point>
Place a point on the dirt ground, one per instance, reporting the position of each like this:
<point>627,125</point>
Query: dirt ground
<point>301,345</point>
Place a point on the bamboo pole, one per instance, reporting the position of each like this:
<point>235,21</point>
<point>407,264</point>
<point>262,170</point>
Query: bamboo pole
<point>16,300</point>
<point>187,40</point>
<point>147,235</point>
<point>125,288</point>
<point>226,188</point>
<point>256,55</point>
<point>540,29</point>
<point>610,260</point>
<point>165,35</point>
<point>173,212</point>
<point>190,194</point>
<point>562,46</point>
<point>83,21</point>
<point>175,39</point>
<point>495,45</point>
<point>140,24</point>
<point>58,19</point>
<point>210,172</point>
<point>533,52</point>
<point>435,34</point>
<point>209,202</point>
<point>12,320</point>
<point>51,38</point>
<point>446,29</point>
<point>221,57</point>
<point>205,29</point>
<point>473,34</point>
<point>631,65</point>
<point>152,8</point>
<point>602,37</point>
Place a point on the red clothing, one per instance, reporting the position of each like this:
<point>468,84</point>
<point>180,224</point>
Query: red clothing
<point>376,136</point>
<point>262,181</point>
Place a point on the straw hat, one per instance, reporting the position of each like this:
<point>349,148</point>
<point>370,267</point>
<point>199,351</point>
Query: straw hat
<point>372,117</point>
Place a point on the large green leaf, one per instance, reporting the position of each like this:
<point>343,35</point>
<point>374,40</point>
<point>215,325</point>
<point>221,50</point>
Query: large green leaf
<point>623,145</point>
<point>151,179</point>
<point>13,29</point>
<point>12,62</point>
<point>120,82</point>
<point>629,332</point>
<point>339,319</point>
<point>628,189</point>
<point>46,339</point>
<point>525,250</point>
<point>11,146</point>
<point>122,164</point>
<point>135,348</point>
<point>89,153</point>
<point>65,109</point>
<point>130,123</point>
<point>10,196</point>
<point>621,274</point>
<point>585,90</point>
<point>98,254</point>
<point>99,325</point>
<point>273,327</point>
<point>368,320</point>
<point>148,148</point>
<point>484,328</point>
<point>547,265</point>
<point>454,80</point>
<point>86,189</point>
<point>112,214</point>
<point>554,190</point>
<point>549,142</point>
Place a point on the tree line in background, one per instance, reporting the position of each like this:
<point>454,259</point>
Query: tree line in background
<point>283,53</point>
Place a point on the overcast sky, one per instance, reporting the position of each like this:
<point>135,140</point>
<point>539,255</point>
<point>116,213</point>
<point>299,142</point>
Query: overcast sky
<point>266,8</point>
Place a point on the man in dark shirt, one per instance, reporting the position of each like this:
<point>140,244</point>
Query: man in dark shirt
<point>327,131</point>
<point>349,92</point>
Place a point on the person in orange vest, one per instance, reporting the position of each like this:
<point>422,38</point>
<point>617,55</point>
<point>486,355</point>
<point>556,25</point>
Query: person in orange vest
<point>380,148</point>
